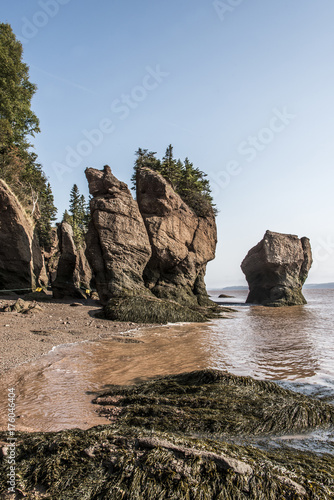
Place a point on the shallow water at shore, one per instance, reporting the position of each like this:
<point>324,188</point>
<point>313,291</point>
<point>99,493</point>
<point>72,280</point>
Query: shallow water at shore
<point>292,345</point>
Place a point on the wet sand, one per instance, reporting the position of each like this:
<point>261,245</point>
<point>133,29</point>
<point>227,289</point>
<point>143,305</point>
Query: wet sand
<point>26,337</point>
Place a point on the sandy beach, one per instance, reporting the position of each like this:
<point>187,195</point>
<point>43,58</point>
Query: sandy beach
<point>25,337</point>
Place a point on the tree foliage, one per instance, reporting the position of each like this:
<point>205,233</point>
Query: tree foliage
<point>78,215</point>
<point>188,181</point>
<point>18,123</point>
<point>16,91</point>
<point>47,215</point>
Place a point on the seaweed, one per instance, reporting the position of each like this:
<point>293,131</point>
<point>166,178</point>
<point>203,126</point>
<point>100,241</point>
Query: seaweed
<point>152,310</point>
<point>156,447</point>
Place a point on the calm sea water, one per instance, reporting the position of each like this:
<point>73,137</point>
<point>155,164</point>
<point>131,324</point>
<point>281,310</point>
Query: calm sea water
<point>291,344</point>
<point>294,346</point>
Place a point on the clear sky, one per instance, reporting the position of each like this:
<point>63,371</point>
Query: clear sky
<point>245,89</point>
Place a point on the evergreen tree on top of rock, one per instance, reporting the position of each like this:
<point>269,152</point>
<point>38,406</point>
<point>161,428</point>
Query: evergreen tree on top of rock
<point>187,181</point>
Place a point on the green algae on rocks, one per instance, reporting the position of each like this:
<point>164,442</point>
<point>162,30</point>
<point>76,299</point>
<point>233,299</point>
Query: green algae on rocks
<point>214,402</point>
<point>166,440</point>
<point>149,309</point>
<point>110,462</point>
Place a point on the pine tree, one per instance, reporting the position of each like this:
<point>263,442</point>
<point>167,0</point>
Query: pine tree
<point>18,163</point>
<point>189,182</point>
<point>67,218</point>
<point>78,215</point>
<point>16,91</point>
<point>88,215</point>
<point>47,215</point>
<point>145,158</point>
<point>170,168</point>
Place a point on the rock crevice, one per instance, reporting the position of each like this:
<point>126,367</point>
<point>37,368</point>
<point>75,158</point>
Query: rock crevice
<point>73,271</point>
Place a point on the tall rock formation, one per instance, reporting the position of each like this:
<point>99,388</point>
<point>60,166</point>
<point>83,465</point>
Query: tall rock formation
<point>276,269</point>
<point>182,243</point>
<point>73,270</point>
<point>51,256</point>
<point>118,247</point>
<point>149,257</point>
<point>21,261</point>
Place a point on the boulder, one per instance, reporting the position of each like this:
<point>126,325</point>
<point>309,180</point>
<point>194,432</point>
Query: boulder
<point>67,283</point>
<point>23,307</point>
<point>21,261</point>
<point>182,243</point>
<point>276,269</point>
<point>118,247</point>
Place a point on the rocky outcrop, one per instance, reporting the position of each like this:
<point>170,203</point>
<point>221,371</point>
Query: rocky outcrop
<point>182,243</point>
<point>83,275</point>
<point>51,256</point>
<point>69,279</point>
<point>276,269</point>
<point>21,261</point>
<point>148,257</point>
<point>118,247</point>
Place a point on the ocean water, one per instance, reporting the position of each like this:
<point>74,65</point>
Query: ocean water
<point>287,344</point>
<point>293,346</point>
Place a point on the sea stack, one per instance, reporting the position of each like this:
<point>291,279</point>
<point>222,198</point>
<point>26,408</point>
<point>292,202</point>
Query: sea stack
<point>118,247</point>
<point>148,255</point>
<point>182,243</point>
<point>276,270</point>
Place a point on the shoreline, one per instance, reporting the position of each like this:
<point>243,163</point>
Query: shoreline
<point>25,338</point>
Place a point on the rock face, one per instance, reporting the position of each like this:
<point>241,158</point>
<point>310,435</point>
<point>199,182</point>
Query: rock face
<point>83,273</point>
<point>276,269</point>
<point>51,256</point>
<point>21,261</point>
<point>182,243</point>
<point>147,254</point>
<point>69,278</point>
<point>118,247</point>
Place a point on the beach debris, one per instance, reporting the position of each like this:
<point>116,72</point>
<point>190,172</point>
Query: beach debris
<point>24,307</point>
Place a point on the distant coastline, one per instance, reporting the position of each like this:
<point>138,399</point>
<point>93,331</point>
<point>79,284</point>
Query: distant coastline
<point>323,286</point>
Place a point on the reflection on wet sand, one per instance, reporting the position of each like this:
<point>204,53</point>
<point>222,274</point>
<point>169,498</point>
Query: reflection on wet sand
<point>52,393</point>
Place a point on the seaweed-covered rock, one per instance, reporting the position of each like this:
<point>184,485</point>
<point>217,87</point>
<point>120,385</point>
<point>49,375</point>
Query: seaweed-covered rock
<point>149,257</point>
<point>67,282</point>
<point>118,248</point>
<point>214,402</point>
<point>166,440</point>
<point>150,310</point>
<point>182,243</point>
<point>276,269</point>
<point>21,262</point>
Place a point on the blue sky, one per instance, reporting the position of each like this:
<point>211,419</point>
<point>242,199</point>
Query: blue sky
<point>242,88</point>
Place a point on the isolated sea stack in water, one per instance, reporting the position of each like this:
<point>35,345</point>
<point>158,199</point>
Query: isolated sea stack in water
<point>149,257</point>
<point>21,261</point>
<point>276,269</point>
